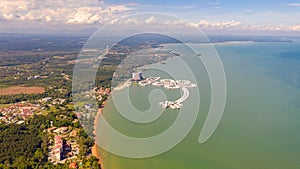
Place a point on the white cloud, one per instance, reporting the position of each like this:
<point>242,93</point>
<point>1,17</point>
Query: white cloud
<point>295,28</point>
<point>131,21</point>
<point>216,4</point>
<point>205,25</point>
<point>150,20</point>
<point>217,25</point>
<point>61,11</point>
<point>239,26</point>
<point>294,4</point>
<point>92,12</point>
<point>269,27</point>
<point>177,23</point>
<point>247,10</point>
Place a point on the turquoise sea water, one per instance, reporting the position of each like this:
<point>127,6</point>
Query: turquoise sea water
<point>260,128</point>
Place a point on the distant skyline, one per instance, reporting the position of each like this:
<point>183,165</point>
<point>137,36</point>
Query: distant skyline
<point>248,17</point>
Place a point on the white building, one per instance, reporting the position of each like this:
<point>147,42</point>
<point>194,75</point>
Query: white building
<point>137,76</point>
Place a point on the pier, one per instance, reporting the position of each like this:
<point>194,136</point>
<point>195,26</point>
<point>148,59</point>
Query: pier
<point>178,103</point>
<point>185,95</point>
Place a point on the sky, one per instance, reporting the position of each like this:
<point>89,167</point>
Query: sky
<point>244,17</point>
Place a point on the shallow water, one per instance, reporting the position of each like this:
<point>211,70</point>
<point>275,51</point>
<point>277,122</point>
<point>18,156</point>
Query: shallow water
<point>261,122</point>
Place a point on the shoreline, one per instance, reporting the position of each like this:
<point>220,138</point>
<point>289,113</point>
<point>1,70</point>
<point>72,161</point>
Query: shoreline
<point>120,87</point>
<point>95,147</point>
<point>123,85</point>
<point>232,42</point>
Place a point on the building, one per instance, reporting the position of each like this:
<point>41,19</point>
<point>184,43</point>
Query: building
<point>103,91</point>
<point>88,106</point>
<point>137,76</point>
<point>46,99</point>
<point>59,101</point>
<point>58,148</point>
<point>73,165</point>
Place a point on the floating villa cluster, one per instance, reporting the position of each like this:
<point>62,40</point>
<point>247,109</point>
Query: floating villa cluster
<point>167,83</point>
<point>172,105</point>
<point>170,84</point>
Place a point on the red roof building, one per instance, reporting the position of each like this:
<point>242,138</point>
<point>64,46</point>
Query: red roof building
<point>73,165</point>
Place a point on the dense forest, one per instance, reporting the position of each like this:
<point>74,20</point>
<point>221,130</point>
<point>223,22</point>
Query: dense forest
<point>26,145</point>
<point>23,143</point>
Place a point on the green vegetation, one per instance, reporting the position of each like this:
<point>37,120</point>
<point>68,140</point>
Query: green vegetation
<point>20,141</point>
<point>26,145</point>
<point>48,62</point>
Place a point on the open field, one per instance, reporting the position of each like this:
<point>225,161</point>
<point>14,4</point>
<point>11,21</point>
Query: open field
<point>21,90</point>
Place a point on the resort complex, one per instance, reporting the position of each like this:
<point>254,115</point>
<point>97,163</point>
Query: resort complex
<point>169,84</point>
<point>137,76</point>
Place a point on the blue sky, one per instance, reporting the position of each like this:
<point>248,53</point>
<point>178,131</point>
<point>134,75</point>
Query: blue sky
<point>229,9</point>
<point>230,16</point>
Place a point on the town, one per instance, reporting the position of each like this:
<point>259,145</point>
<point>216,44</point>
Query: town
<point>64,133</point>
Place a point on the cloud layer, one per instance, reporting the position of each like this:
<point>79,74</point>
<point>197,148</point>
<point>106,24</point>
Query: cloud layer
<point>231,25</point>
<point>61,11</point>
<point>239,26</point>
<point>72,13</point>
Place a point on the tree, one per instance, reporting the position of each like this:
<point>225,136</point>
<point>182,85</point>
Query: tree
<point>21,163</point>
<point>38,156</point>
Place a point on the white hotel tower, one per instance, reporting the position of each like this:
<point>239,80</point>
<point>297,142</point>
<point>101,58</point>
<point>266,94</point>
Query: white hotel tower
<point>137,76</point>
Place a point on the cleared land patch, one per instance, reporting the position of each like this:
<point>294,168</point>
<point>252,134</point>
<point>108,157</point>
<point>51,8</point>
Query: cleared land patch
<point>21,90</point>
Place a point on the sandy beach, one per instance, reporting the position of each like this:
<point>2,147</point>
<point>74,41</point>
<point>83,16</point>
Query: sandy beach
<point>95,147</point>
<point>123,85</point>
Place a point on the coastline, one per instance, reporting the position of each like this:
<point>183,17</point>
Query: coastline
<point>95,147</point>
<point>233,42</point>
<point>120,87</point>
<point>123,85</point>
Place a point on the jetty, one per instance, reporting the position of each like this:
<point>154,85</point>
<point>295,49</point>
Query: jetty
<point>185,95</point>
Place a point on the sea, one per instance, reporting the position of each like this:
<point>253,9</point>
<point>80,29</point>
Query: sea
<point>260,126</point>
